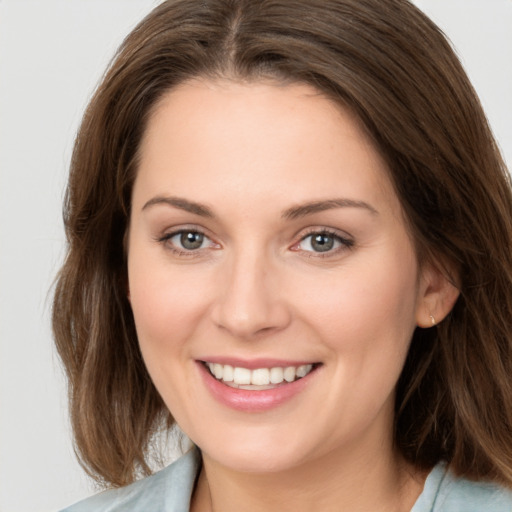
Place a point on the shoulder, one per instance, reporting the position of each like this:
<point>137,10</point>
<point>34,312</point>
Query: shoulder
<point>445,492</point>
<point>168,490</point>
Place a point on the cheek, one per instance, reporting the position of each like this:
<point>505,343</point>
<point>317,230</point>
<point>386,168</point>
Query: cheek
<point>367,307</point>
<point>168,308</point>
<point>365,317</point>
<point>167,302</point>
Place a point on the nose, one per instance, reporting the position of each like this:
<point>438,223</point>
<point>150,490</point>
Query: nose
<point>250,301</point>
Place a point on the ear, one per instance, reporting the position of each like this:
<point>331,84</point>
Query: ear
<point>437,295</point>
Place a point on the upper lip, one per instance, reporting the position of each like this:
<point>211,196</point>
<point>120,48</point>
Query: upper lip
<point>254,364</point>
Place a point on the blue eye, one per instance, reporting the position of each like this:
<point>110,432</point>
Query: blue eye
<point>323,242</point>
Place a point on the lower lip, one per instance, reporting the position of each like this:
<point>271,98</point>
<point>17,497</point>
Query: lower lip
<point>252,400</point>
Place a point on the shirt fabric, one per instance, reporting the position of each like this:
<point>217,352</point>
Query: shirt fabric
<point>170,490</point>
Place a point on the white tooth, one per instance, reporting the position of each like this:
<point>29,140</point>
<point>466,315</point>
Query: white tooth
<point>289,374</point>
<point>228,373</point>
<point>252,387</point>
<point>210,366</point>
<point>242,376</point>
<point>260,377</point>
<point>276,375</point>
<point>218,370</point>
<point>303,370</point>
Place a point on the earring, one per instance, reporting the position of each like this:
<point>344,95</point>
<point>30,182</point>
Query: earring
<point>433,320</point>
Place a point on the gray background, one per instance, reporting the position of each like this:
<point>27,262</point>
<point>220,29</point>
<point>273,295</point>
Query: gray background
<point>52,53</point>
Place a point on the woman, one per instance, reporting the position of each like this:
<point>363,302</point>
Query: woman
<point>289,231</point>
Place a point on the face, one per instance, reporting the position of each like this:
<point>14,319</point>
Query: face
<point>266,245</point>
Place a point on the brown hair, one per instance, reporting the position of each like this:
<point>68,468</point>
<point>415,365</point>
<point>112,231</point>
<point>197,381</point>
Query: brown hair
<point>393,67</point>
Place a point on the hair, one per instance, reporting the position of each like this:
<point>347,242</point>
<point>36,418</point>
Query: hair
<point>394,68</point>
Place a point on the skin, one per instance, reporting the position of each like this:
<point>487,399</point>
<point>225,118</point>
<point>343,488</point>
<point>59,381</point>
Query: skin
<point>256,287</point>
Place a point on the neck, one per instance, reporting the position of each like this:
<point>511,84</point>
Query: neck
<point>383,483</point>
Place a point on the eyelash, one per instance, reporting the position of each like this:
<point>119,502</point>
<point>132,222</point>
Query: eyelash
<point>187,253</point>
<point>345,243</point>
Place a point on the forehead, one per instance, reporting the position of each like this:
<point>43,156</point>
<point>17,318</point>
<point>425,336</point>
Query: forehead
<point>251,140</point>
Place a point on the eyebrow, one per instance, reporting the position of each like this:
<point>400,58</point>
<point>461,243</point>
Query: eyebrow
<point>296,212</point>
<point>183,204</point>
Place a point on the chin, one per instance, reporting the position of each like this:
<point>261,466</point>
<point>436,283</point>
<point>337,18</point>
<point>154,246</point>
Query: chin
<point>248,461</point>
<point>262,454</point>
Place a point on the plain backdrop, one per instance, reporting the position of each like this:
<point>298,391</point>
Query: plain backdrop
<point>52,53</point>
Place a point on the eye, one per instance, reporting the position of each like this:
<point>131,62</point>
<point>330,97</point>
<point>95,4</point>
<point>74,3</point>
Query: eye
<point>323,242</point>
<point>187,240</point>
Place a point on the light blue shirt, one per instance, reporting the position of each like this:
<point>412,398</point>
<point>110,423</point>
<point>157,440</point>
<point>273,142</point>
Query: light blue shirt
<point>170,490</point>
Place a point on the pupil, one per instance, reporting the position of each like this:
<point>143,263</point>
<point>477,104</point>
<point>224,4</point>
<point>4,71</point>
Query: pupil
<point>322,243</point>
<point>191,240</point>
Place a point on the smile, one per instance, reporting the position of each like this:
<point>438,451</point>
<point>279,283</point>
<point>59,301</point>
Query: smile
<point>259,378</point>
<point>266,384</point>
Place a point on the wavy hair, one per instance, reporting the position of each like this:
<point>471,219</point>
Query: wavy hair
<point>391,66</point>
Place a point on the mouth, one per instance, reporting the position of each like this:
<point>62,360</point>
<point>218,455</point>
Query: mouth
<point>257,385</point>
<point>258,379</point>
